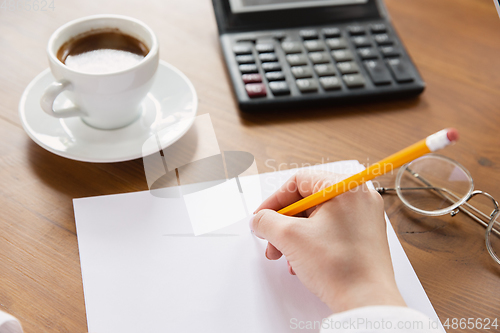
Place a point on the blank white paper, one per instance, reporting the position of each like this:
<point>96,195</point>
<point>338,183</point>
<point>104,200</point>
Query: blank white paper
<point>204,207</point>
<point>144,270</point>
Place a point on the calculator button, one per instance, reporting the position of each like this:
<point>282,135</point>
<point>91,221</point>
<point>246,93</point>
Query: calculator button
<point>279,35</point>
<point>355,30</point>
<point>255,90</point>
<point>336,43</point>
<point>291,47</point>
<point>319,57</point>
<point>251,78</point>
<point>342,55</point>
<point>264,47</point>
<point>354,80</point>
<point>325,70</point>
<point>314,45</point>
<point>383,39</point>
<point>331,32</point>
<point>360,41</point>
<point>330,82</point>
<point>390,51</point>
<point>378,28</point>
<point>307,85</point>
<point>378,72</point>
<point>242,49</point>
<point>301,72</point>
<point>308,34</point>
<point>248,68</point>
<point>245,59</point>
<point>267,57</point>
<point>349,67</point>
<point>367,53</point>
<point>275,76</point>
<point>247,39</point>
<point>271,66</point>
<point>279,88</point>
<point>296,59</point>
<point>400,70</point>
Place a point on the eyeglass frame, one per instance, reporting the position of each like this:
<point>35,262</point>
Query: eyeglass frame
<point>455,208</point>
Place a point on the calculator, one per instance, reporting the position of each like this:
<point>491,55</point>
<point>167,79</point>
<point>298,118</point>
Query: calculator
<point>302,53</point>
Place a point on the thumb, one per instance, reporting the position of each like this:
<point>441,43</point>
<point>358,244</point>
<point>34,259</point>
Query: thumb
<point>272,226</point>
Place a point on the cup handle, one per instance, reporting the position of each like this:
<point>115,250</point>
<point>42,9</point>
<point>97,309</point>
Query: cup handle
<point>50,95</point>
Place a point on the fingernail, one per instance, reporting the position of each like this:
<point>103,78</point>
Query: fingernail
<point>266,254</point>
<point>290,269</point>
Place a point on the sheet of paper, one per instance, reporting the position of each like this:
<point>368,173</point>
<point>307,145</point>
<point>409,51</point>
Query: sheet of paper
<point>144,270</point>
<point>210,202</point>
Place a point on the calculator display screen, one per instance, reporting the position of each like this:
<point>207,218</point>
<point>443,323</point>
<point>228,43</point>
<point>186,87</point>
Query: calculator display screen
<point>246,6</point>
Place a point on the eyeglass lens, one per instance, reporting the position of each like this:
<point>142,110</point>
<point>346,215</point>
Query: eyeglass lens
<point>494,239</point>
<point>433,184</point>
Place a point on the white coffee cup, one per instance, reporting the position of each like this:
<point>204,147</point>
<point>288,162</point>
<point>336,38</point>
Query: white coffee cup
<point>104,101</point>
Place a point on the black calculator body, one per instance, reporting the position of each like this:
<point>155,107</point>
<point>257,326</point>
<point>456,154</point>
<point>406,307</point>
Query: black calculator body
<point>301,53</point>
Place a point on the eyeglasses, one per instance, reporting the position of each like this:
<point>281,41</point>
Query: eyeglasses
<point>435,185</point>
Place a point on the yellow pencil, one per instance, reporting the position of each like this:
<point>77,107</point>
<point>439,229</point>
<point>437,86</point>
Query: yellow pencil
<point>432,143</point>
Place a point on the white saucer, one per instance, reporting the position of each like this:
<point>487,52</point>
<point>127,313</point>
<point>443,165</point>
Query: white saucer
<point>172,100</point>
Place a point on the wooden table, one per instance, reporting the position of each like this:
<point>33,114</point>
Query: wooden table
<point>454,43</point>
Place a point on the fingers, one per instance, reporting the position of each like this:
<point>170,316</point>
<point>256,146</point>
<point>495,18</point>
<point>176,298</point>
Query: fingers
<point>283,197</point>
<point>347,204</point>
<point>299,186</point>
<point>272,253</point>
<point>274,227</point>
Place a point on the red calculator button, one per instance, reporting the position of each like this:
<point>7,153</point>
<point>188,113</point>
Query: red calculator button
<point>251,78</point>
<point>256,90</point>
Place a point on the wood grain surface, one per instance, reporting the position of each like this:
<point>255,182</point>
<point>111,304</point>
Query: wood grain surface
<point>455,45</point>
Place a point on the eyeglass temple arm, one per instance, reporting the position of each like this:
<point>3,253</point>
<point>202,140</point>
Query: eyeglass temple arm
<point>383,190</point>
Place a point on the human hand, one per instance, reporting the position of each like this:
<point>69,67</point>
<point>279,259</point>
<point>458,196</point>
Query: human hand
<point>338,249</point>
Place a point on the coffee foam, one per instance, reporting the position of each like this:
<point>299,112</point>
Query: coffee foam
<point>103,61</point>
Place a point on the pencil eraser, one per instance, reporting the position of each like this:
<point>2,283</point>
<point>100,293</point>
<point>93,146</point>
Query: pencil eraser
<point>452,134</point>
<point>441,139</point>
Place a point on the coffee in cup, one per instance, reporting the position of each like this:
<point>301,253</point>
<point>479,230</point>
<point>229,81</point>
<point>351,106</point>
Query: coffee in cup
<point>105,65</point>
<point>102,51</point>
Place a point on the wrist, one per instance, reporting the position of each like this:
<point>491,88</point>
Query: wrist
<point>366,293</point>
